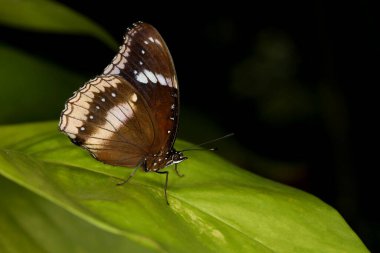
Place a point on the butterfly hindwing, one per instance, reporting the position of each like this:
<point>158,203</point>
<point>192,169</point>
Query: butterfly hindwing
<point>109,118</point>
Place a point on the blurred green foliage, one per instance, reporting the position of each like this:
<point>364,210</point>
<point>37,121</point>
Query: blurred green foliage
<point>268,77</point>
<point>32,87</point>
<point>50,16</point>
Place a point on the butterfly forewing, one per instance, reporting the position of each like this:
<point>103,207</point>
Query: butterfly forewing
<point>129,114</point>
<point>145,61</point>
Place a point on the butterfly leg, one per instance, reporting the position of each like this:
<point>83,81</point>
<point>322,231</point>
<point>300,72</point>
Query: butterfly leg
<point>166,183</point>
<point>176,171</point>
<point>129,177</point>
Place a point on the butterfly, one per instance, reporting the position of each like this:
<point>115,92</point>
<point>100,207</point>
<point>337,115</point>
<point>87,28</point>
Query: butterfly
<point>128,115</point>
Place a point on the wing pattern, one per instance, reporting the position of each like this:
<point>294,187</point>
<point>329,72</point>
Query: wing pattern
<point>130,112</point>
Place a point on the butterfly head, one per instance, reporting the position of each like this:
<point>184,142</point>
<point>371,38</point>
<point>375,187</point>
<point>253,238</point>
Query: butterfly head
<point>157,162</point>
<point>176,157</point>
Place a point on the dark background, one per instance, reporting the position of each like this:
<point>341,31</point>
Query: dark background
<point>294,82</point>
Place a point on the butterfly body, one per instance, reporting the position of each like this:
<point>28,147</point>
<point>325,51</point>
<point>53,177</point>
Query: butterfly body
<point>128,115</point>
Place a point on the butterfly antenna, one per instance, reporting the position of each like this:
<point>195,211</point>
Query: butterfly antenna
<point>196,147</point>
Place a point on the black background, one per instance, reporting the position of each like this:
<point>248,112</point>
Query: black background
<point>320,57</point>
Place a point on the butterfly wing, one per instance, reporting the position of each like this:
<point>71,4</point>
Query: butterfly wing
<point>131,111</point>
<point>145,61</point>
<point>108,117</point>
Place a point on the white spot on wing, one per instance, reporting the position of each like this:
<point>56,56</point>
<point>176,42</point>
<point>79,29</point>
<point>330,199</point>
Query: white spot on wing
<point>115,71</point>
<point>151,39</point>
<point>108,69</point>
<point>122,63</point>
<point>117,59</point>
<point>151,76</point>
<point>134,98</point>
<point>122,48</point>
<point>158,42</point>
<point>141,78</point>
<point>161,79</point>
<point>169,82</point>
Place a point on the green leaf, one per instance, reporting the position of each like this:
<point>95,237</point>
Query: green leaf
<point>216,207</point>
<point>32,86</point>
<point>50,16</point>
<point>30,223</point>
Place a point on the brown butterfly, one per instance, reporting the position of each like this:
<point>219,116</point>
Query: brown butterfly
<point>128,115</point>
